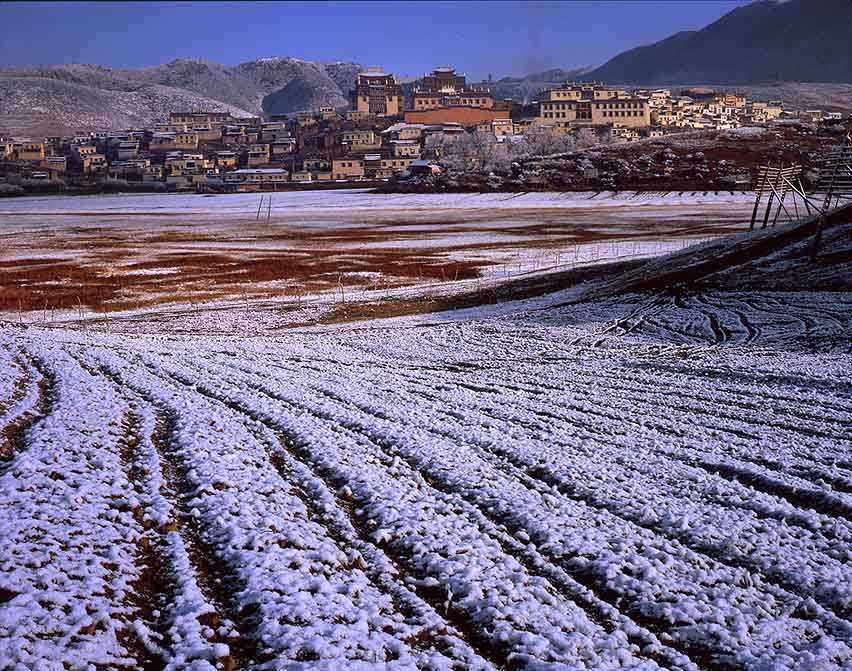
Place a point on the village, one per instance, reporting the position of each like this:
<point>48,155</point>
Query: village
<point>385,133</point>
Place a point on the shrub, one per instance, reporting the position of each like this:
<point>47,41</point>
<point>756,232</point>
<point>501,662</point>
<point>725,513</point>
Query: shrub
<point>11,190</point>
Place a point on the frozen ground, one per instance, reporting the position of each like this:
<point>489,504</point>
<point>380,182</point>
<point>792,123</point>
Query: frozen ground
<point>633,471</point>
<point>79,255</point>
<point>645,481</point>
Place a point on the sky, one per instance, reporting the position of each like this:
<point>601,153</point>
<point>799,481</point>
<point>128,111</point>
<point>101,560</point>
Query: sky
<point>407,38</point>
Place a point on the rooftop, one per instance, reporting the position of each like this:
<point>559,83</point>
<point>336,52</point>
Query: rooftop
<point>265,171</point>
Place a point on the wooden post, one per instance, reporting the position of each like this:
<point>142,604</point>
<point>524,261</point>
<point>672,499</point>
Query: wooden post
<point>757,200</point>
<point>259,205</point>
<point>802,189</point>
<point>269,209</point>
<point>768,210</point>
<point>769,180</point>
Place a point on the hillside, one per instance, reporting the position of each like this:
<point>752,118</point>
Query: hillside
<point>520,89</point>
<point>524,89</point>
<point>61,98</point>
<point>35,106</point>
<point>768,40</point>
<point>774,259</point>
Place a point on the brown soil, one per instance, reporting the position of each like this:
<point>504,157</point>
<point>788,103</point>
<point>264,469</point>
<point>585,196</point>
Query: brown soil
<point>116,263</point>
<point>511,290</point>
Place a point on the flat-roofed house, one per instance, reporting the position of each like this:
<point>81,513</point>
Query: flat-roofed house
<point>497,127</point>
<point>258,176</point>
<point>258,155</point>
<point>358,115</point>
<point>186,140</point>
<point>30,151</point>
<point>55,164</point>
<point>208,119</point>
<point>126,150</point>
<point>407,148</point>
<point>316,164</point>
<point>328,113</point>
<point>283,147</point>
<point>404,132</point>
<point>592,105</point>
<point>162,142</point>
<point>226,159</point>
<point>94,163</point>
<point>133,169</point>
<point>347,168</point>
<point>301,176</point>
<point>360,139</point>
<point>391,166</point>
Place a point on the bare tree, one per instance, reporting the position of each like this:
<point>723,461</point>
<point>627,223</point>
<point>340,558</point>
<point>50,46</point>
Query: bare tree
<point>482,151</point>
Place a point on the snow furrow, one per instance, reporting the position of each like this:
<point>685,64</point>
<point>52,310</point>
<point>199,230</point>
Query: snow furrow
<point>14,381</point>
<point>298,615</point>
<point>179,602</point>
<point>413,544</point>
<point>30,404</point>
<point>353,423</point>
<point>68,539</point>
<point>808,542</point>
<point>445,465</point>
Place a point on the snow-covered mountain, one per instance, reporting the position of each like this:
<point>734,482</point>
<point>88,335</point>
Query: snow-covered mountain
<point>61,98</point>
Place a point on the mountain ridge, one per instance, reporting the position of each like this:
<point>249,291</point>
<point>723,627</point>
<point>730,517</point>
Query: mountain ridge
<point>764,41</point>
<point>57,98</point>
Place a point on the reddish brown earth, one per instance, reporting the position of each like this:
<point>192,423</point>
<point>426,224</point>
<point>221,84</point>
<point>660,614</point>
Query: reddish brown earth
<point>117,261</point>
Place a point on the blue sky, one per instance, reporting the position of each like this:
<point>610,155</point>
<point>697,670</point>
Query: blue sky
<point>407,38</point>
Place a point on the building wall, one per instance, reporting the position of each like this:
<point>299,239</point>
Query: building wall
<point>409,133</point>
<point>31,151</point>
<point>347,168</point>
<point>412,150</point>
<point>429,101</point>
<point>186,141</point>
<point>258,155</point>
<point>629,112</point>
<point>362,139</point>
<point>377,94</point>
<point>94,162</point>
<point>557,113</point>
<point>469,116</point>
<point>316,164</point>
<point>395,164</point>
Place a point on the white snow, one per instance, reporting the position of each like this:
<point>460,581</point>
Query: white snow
<point>640,482</point>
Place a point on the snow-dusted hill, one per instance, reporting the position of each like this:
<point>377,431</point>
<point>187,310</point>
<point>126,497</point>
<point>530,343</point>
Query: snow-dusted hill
<point>63,98</point>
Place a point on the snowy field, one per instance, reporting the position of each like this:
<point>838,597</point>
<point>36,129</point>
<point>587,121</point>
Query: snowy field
<point>96,254</point>
<point>308,202</point>
<point>641,482</point>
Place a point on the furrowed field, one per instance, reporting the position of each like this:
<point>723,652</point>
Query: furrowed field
<point>627,473</point>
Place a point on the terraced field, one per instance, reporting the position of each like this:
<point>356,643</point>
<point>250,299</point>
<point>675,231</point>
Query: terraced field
<point>649,481</point>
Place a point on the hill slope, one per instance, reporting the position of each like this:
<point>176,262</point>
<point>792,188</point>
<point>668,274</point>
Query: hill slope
<point>59,98</point>
<point>796,40</point>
